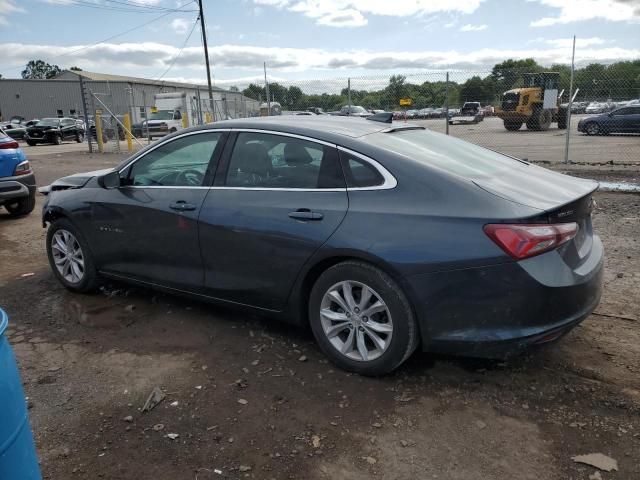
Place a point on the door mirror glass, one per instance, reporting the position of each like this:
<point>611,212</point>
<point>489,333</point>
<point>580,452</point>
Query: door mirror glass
<point>110,180</point>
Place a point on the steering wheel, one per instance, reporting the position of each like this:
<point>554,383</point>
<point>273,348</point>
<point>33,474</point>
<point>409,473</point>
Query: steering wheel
<point>190,177</point>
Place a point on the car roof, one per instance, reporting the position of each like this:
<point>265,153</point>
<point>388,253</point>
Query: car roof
<point>325,127</point>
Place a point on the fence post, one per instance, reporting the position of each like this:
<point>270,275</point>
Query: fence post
<point>349,95</point>
<point>127,131</point>
<point>146,114</point>
<point>566,145</point>
<point>98,118</point>
<point>446,104</point>
<point>87,132</point>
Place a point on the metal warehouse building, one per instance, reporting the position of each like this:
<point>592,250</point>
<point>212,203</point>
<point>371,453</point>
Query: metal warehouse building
<point>61,97</point>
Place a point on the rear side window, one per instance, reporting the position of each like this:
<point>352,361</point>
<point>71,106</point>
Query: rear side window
<point>261,160</point>
<point>359,173</point>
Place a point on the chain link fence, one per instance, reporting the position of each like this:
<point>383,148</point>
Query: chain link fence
<point>606,96</point>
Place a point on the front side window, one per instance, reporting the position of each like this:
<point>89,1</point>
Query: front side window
<point>262,160</point>
<point>180,162</point>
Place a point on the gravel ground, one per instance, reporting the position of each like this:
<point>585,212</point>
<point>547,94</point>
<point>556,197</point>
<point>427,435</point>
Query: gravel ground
<point>252,398</point>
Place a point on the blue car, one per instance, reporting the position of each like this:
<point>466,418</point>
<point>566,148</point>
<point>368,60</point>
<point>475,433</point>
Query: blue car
<point>17,182</point>
<point>622,120</point>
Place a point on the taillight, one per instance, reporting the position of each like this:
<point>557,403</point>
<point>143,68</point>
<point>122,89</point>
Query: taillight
<point>23,168</point>
<point>524,241</point>
<point>12,144</point>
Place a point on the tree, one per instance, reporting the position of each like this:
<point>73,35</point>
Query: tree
<point>232,88</point>
<point>507,73</point>
<point>75,69</point>
<point>40,69</point>
<point>477,89</point>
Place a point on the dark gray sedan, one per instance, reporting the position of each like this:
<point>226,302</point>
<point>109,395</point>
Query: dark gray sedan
<point>381,236</point>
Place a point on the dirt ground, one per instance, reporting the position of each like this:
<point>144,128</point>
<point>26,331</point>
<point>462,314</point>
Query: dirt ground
<point>251,398</point>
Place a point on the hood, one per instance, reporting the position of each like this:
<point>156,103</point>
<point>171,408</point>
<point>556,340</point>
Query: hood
<point>77,180</point>
<point>41,128</point>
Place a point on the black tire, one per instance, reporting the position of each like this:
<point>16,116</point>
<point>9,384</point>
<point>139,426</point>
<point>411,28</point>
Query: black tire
<point>562,118</point>
<point>512,125</point>
<point>592,128</point>
<point>90,280</point>
<point>405,335</point>
<point>31,143</point>
<point>173,130</point>
<point>544,121</point>
<point>532,122</point>
<point>57,140</point>
<point>80,137</point>
<point>22,206</point>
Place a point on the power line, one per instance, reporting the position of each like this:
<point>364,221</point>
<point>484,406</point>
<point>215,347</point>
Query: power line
<point>120,6</point>
<point>109,38</point>
<point>179,51</point>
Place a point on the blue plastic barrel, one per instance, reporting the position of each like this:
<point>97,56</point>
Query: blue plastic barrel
<point>18,460</point>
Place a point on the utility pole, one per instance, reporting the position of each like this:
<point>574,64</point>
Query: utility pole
<point>266,88</point>
<point>349,95</point>
<point>206,57</point>
<point>566,145</point>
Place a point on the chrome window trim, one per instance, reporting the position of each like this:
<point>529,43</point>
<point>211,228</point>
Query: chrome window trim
<point>389,180</point>
<point>161,143</point>
<point>285,134</point>
<point>389,183</point>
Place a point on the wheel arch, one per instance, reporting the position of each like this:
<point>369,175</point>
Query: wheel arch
<point>298,304</point>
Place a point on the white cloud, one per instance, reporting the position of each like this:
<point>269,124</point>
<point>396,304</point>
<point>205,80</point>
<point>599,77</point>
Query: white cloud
<point>7,7</point>
<point>181,25</point>
<point>352,13</point>
<point>580,42</point>
<point>473,28</point>
<point>148,59</point>
<point>580,10</point>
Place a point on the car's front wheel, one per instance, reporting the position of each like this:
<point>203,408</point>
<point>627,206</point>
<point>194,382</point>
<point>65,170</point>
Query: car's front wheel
<point>70,257</point>
<point>80,137</point>
<point>57,139</point>
<point>592,128</point>
<point>361,319</point>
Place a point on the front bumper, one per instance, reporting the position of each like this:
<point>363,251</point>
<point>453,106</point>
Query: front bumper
<point>500,310</point>
<point>17,187</point>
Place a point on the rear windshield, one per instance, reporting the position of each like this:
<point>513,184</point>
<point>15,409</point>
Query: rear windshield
<point>444,152</point>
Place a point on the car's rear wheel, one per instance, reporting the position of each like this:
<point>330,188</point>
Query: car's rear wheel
<point>592,128</point>
<point>70,257</point>
<point>22,206</point>
<point>31,143</point>
<point>361,319</point>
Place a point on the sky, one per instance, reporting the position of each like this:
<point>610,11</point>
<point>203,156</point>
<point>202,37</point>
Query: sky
<point>306,40</point>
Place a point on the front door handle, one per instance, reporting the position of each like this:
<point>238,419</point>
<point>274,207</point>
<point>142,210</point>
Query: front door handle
<point>305,214</point>
<point>182,206</point>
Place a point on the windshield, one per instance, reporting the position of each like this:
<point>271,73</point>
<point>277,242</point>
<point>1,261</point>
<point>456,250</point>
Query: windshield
<point>446,153</point>
<point>161,115</point>
<point>49,122</point>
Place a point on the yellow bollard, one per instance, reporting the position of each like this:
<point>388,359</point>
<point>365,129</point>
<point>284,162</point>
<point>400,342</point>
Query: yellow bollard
<point>185,120</point>
<point>126,120</point>
<point>207,117</point>
<point>99,131</point>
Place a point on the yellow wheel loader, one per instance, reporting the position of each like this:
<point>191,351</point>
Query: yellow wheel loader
<point>536,104</point>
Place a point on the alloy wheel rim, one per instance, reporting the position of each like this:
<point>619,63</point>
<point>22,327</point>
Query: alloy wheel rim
<point>593,128</point>
<point>67,256</point>
<point>356,320</point>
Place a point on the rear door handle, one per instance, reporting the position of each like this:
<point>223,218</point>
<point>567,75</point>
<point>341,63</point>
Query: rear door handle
<point>305,214</point>
<point>182,206</point>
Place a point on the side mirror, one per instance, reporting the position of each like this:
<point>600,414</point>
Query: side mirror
<point>110,180</point>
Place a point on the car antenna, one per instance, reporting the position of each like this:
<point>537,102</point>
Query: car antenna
<point>384,117</point>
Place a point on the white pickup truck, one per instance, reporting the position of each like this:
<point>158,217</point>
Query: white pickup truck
<point>170,113</point>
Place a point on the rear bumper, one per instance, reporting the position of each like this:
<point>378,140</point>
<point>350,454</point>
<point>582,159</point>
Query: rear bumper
<point>17,187</point>
<point>500,310</point>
